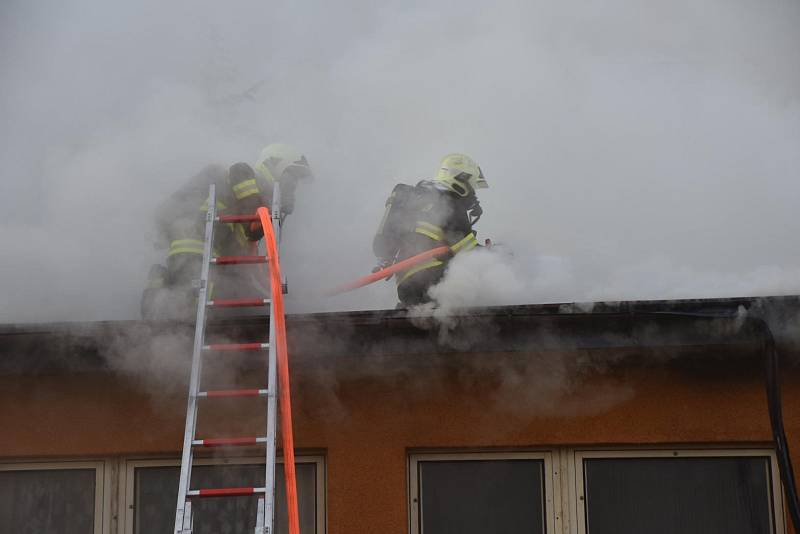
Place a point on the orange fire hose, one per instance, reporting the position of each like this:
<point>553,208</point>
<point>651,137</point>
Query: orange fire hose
<point>285,402</point>
<point>383,273</point>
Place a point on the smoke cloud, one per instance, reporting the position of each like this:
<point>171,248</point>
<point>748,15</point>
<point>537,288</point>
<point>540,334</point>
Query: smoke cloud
<point>633,150</point>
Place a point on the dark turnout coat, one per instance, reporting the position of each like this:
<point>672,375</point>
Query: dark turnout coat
<point>420,218</point>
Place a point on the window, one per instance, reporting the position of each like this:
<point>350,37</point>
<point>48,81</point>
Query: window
<point>471,493</point>
<point>152,490</point>
<point>64,497</point>
<point>569,491</point>
<point>708,492</point>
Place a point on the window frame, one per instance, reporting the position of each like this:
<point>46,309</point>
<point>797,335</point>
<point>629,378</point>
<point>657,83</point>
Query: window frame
<point>102,483</point>
<point>127,481</point>
<point>577,496</point>
<point>550,480</point>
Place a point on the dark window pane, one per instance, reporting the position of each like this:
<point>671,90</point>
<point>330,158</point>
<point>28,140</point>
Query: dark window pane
<point>481,496</point>
<point>157,493</point>
<point>678,495</point>
<point>60,500</point>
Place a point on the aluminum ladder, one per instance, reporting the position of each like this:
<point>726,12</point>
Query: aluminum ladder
<point>264,521</point>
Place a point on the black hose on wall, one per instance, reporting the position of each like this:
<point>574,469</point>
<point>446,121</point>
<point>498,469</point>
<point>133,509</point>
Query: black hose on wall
<point>773,387</point>
<point>773,390</point>
<point>774,406</point>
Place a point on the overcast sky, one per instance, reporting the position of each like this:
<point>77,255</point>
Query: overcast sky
<point>633,149</point>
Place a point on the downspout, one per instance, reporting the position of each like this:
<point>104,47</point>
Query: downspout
<point>774,404</point>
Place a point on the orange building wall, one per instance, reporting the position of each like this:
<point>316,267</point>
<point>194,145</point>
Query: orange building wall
<point>366,415</point>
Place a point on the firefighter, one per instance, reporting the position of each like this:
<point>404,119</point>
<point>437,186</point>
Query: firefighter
<point>180,223</point>
<point>436,212</point>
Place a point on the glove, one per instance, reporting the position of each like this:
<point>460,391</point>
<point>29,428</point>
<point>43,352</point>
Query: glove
<point>383,264</point>
<point>254,232</point>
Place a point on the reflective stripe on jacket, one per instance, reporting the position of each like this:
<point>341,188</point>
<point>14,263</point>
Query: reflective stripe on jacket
<point>245,189</point>
<point>417,268</point>
<point>430,230</point>
<point>186,246</point>
<point>467,243</point>
<point>434,232</point>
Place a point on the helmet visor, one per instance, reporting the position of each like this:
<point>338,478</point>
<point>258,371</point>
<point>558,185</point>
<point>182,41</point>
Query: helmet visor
<point>471,181</point>
<point>480,182</point>
<point>297,172</point>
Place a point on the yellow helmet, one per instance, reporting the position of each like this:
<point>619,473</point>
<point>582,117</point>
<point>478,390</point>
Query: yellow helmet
<point>281,162</point>
<point>460,174</point>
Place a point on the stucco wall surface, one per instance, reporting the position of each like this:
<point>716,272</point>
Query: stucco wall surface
<point>366,416</point>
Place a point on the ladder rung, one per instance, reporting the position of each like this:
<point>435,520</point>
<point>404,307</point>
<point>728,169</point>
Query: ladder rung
<point>229,442</point>
<point>225,492</point>
<point>236,303</point>
<point>234,393</point>
<point>237,218</point>
<point>233,260</point>
<point>236,346</point>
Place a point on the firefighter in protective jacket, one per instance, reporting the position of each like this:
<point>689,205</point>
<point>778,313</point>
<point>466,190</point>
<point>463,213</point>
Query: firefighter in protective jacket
<point>180,223</point>
<point>436,212</point>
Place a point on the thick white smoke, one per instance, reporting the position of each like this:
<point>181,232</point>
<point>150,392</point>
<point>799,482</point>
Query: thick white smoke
<point>485,277</point>
<point>633,150</point>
